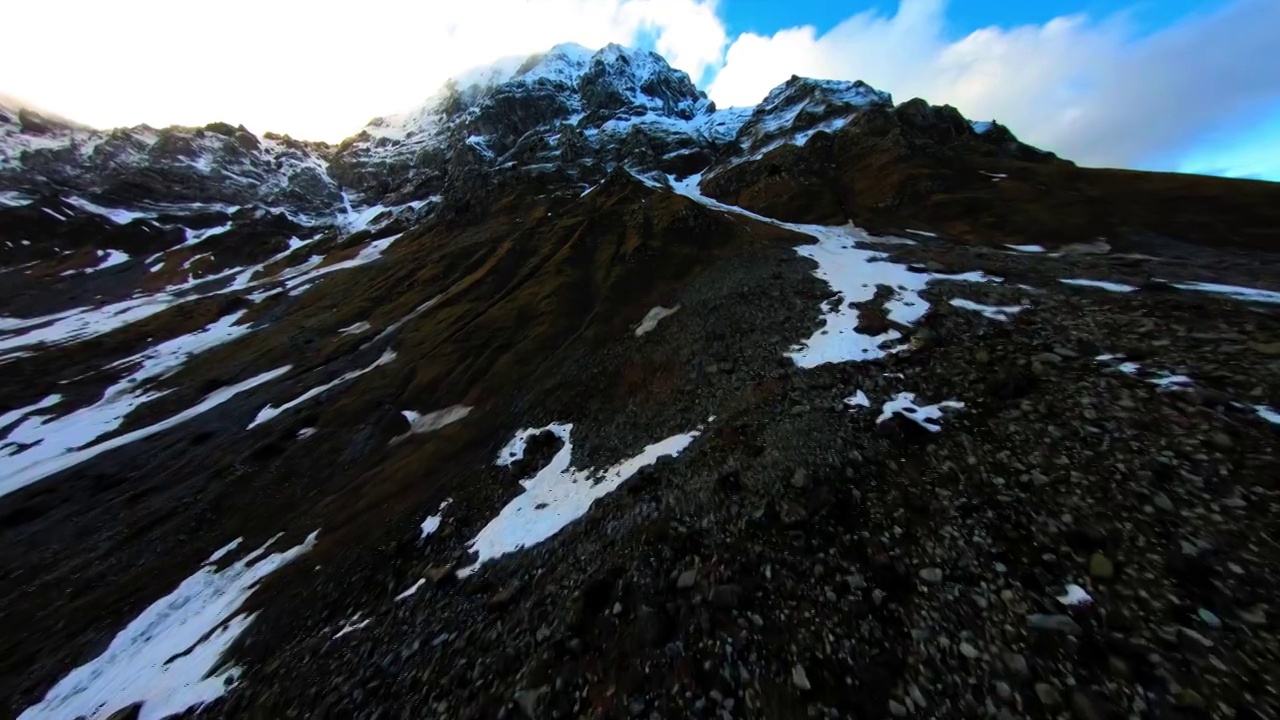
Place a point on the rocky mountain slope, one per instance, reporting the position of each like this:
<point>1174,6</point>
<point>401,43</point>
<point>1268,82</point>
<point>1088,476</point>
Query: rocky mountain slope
<point>569,394</point>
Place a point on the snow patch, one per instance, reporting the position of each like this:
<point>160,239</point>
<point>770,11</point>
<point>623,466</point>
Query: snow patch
<point>118,216</point>
<point>557,494</point>
<point>412,589</point>
<point>1233,291</point>
<point>420,423</point>
<point>653,317</point>
<point>195,236</point>
<point>223,551</point>
<point>1101,284</point>
<point>1075,596</point>
<point>995,312</point>
<point>166,658</point>
<point>853,274</point>
<point>1268,414</point>
<point>355,329</point>
<point>858,399</point>
<point>63,443</point>
<point>1027,248</point>
<point>269,412</point>
<point>904,403</point>
<point>352,625</point>
<point>432,523</point>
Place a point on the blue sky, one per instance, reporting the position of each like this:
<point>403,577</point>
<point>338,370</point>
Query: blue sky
<point>1146,43</point>
<point>964,16</point>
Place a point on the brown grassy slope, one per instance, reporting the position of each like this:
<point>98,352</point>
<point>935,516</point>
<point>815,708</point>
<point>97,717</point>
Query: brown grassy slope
<point>908,168</point>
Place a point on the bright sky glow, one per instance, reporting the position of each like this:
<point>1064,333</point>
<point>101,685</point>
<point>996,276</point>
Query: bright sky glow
<point>1178,85</point>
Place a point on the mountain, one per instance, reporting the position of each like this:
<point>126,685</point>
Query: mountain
<point>569,394</point>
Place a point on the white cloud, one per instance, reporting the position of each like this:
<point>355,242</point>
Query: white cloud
<point>1087,89</point>
<point>314,70</point>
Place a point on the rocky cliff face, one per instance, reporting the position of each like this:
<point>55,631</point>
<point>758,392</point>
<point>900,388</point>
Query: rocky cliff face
<point>568,394</point>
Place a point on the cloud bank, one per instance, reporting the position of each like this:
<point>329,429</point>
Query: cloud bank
<point>1088,88</point>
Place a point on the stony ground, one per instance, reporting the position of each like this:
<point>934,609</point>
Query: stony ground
<point>799,559</point>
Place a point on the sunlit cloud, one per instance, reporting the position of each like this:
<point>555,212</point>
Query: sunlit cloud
<point>314,70</point>
<point>1088,89</point>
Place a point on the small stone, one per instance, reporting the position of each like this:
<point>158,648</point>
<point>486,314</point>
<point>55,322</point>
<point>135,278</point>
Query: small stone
<point>527,701</point>
<point>798,678</point>
<point>1017,664</point>
<point>726,596</point>
<point>501,599</point>
<point>1053,623</point>
<point>800,479</point>
<point>1209,618</point>
<point>1256,616</point>
<point>687,579</point>
<point>969,651</point>
<point>543,633</point>
<point>439,573</point>
<point>897,708</point>
<point>617,608</point>
<point>931,575</point>
<point>1221,440</point>
<point>1190,698</point>
<point>1083,707</point>
<point>1101,567</point>
<point>1163,502</point>
<point>1003,691</point>
<point>1048,694</point>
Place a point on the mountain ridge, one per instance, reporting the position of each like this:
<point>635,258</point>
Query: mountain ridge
<point>572,396</point>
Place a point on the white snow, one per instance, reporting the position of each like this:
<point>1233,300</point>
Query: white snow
<point>1075,596</point>
<point>14,416</point>
<point>432,523</point>
<point>904,403</point>
<point>995,312</point>
<point>420,423</point>
<point>51,438</point>
<point>1102,284</point>
<point>13,198</point>
<point>195,236</point>
<point>981,126</point>
<point>116,215</point>
<point>925,233</point>
<point>305,433</point>
<point>108,259</point>
<point>64,442</point>
<point>653,317</point>
<point>352,625</point>
<point>996,176</point>
<point>557,494</point>
<point>223,551</point>
<point>1233,291</point>
<point>858,399</point>
<point>853,274</point>
<point>1268,414</point>
<point>54,214</point>
<point>355,329</point>
<point>166,658</point>
<point>1171,381</point>
<point>269,412</point>
<point>1027,248</point>
<point>412,589</point>
<point>1161,378</point>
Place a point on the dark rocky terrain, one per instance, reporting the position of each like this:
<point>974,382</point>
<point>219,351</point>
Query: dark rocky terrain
<point>326,352</point>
